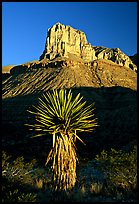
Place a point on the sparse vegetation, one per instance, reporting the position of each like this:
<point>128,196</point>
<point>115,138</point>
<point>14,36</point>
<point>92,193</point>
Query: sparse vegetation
<point>120,167</point>
<point>24,182</point>
<point>16,176</point>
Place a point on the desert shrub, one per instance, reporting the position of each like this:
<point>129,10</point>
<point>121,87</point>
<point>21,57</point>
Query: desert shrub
<point>120,168</point>
<point>42,178</point>
<point>18,196</point>
<point>16,177</point>
<point>15,170</point>
<point>96,187</point>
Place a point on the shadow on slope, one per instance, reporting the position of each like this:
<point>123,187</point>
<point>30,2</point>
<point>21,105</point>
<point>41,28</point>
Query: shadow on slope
<point>115,110</point>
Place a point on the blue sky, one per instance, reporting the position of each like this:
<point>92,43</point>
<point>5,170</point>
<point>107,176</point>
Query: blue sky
<point>25,25</point>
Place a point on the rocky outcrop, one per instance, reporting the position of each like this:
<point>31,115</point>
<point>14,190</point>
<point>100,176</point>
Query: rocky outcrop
<point>29,66</point>
<point>64,40</point>
<point>115,55</point>
<point>5,76</point>
<point>71,47</point>
<point>134,59</point>
<point>18,69</point>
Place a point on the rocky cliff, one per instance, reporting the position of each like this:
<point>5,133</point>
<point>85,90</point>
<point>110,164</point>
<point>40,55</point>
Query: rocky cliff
<point>134,59</point>
<point>64,40</point>
<point>115,55</point>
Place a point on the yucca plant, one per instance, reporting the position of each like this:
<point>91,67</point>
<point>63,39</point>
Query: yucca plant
<point>63,116</point>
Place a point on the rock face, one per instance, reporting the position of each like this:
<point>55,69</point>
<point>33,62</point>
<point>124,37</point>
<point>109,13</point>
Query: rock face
<point>62,40</point>
<point>134,59</point>
<point>115,55</point>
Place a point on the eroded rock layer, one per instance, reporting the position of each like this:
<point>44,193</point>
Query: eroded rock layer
<point>64,40</point>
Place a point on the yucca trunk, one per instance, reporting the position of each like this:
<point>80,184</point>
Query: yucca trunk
<point>63,156</point>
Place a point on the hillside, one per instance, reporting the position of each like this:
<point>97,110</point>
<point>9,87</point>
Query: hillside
<point>68,74</point>
<point>112,87</point>
<point>134,59</point>
<point>6,69</point>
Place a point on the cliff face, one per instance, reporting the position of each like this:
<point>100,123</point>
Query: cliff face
<point>115,55</point>
<point>134,59</point>
<point>64,40</point>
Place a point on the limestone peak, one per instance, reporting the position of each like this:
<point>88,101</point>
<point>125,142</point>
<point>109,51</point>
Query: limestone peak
<point>64,40</point>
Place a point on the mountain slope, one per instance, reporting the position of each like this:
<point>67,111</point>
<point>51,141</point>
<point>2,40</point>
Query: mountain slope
<point>71,74</point>
<point>112,87</point>
<point>6,69</point>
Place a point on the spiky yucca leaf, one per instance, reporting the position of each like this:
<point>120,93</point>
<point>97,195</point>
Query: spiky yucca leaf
<point>62,116</point>
<point>60,113</point>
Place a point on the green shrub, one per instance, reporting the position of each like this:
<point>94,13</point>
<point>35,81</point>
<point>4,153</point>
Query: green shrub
<point>16,177</point>
<point>120,168</point>
<point>17,170</point>
<point>18,196</point>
